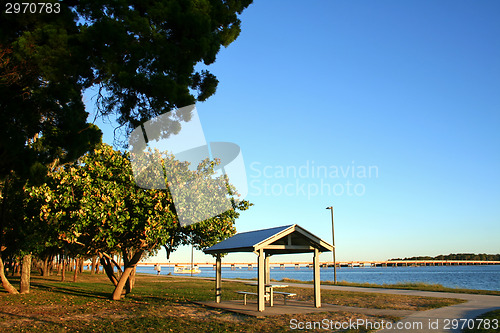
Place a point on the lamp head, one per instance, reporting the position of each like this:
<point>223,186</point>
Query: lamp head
<point>331,207</point>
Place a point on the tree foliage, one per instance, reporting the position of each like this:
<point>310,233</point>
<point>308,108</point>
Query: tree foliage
<point>144,53</point>
<point>95,208</point>
<point>143,57</point>
<point>42,116</point>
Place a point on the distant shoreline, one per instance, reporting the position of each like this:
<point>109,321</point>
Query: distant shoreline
<point>462,277</point>
<point>361,263</point>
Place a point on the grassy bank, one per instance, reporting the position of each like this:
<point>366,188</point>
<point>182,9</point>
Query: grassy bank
<point>164,304</point>
<point>404,285</point>
<point>489,323</point>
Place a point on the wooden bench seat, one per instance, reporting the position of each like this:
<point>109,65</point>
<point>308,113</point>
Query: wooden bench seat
<point>245,293</point>
<point>285,295</point>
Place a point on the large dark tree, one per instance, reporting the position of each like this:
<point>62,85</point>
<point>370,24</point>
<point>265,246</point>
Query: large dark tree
<point>42,115</point>
<point>145,57</point>
<point>141,55</point>
<point>43,121</point>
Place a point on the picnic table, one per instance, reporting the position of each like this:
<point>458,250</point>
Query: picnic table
<point>270,291</point>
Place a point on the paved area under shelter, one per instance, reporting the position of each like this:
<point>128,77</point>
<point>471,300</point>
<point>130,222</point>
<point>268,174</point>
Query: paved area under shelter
<point>296,307</point>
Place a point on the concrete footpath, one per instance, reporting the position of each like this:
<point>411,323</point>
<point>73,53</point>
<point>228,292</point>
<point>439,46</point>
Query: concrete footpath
<point>446,319</point>
<point>436,320</point>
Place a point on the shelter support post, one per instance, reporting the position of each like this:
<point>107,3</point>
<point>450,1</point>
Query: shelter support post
<point>261,283</point>
<point>317,290</point>
<point>218,278</point>
<point>267,269</point>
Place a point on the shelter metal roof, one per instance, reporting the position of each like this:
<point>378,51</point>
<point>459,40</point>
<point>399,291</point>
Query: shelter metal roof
<point>279,240</point>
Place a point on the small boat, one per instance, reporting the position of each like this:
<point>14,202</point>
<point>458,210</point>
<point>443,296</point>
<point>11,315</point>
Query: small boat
<point>186,270</point>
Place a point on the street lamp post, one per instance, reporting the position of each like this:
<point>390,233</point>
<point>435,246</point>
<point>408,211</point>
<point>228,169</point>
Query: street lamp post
<point>191,259</point>
<point>333,243</point>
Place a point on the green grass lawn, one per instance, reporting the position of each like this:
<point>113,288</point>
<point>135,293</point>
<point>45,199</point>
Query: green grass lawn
<point>404,285</point>
<point>165,304</point>
<point>488,322</point>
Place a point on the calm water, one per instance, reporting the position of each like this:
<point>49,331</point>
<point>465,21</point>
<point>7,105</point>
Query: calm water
<point>471,277</point>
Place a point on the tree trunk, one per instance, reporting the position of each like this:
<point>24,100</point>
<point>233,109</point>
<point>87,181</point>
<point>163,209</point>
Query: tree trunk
<point>25,274</point>
<point>46,266</point>
<point>117,293</point>
<point>132,278</point>
<point>16,270</point>
<point>63,270</point>
<point>92,267</point>
<point>40,266</point>
<point>77,268</point>
<point>97,267</point>
<point>108,269</point>
<point>43,266</point>
<point>12,268</point>
<point>120,262</point>
<point>50,265</point>
<point>113,262</point>
<point>59,263</point>
<point>130,282</point>
<point>5,282</point>
<point>124,278</point>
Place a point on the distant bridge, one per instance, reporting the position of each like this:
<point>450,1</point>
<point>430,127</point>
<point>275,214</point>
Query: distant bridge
<point>339,264</point>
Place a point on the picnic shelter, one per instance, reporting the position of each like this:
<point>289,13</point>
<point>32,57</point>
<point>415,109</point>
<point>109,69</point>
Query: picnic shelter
<point>288,239</point>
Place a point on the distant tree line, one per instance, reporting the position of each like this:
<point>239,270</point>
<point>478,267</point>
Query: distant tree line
<point>457,256</point>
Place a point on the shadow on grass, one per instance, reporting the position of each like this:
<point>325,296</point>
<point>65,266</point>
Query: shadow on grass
<point>31,318</point>
<point>73,291</point>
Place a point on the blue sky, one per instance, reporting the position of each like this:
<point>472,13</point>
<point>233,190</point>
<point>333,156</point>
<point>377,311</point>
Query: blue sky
<point>410,89</point>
